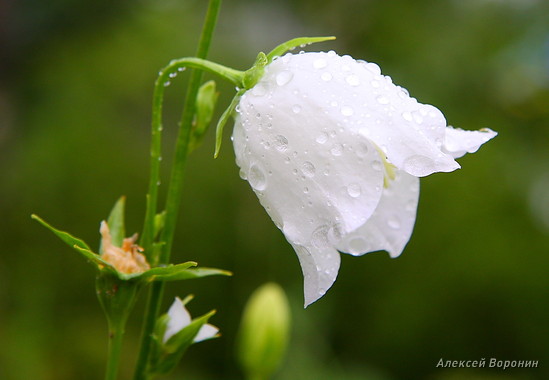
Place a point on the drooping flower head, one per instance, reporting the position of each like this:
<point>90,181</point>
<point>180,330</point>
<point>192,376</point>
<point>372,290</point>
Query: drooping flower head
<point>333,149</point>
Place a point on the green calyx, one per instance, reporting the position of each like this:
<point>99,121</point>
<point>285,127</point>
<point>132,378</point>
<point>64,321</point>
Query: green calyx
<point>115,272</point>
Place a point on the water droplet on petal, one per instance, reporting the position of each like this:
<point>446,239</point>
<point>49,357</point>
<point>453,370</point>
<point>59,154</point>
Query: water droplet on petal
<point>358,245</point>
<point>346,111</point>
<point>326,77</point>
<point>296,108</point>
<point>308,169</point>
<point>242,174</point>
<point>376,165</point>
<point>354,190</point>
<point>337,150</point>
<point>361,150</point>
<point>284,77</point>
<point>322,138</point>
<point>320,63</point>
<point>280,143</point>
<point>394,223</point>
<point>352,80</point>
<point>407,116</point>
<point>382,100</point>
<point>257,178</point>
<point>373,68</point>
<point>418,165</point>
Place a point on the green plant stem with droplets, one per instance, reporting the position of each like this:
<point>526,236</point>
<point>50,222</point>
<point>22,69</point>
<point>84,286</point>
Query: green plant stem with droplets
<point>176,182</point>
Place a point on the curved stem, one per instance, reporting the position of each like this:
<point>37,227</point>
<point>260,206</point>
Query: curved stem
<point>174,192</point>
<point>161,83</point>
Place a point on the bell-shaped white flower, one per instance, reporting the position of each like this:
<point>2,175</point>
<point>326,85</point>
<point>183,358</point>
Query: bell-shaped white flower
<point>333,150</point>
<point>179,318</point>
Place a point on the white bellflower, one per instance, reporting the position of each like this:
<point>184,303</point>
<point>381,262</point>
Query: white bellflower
<point>333,150</point>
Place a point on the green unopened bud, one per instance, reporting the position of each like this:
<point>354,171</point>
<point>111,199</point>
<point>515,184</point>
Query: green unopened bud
<point>264,332</point>
<point>206,100</point>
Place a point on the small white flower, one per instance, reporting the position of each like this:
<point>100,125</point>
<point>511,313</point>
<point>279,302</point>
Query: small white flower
<point>333,150</point>
<point>179,318</point>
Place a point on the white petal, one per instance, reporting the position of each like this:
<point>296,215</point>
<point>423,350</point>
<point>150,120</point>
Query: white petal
<point>364,102</point>
<point>458,142</point>
<point>320,267</point>
<point>391,225</point>
<point>207,331</point>
<point>179,317</point>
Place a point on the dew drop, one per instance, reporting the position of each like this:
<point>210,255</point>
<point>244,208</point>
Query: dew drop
<point>352,80</point>
<point>407,116</point>
<point>346,111</point>
<point>337,150</point>
<point>280,143</point>
<point>418,165</point>
<point>167,83</point>
<point>242,174</point>
<point>393,223</point>
<point>354,190</point>
<point>296,108</point>
<point>320,63</point>
<point>257,178</point>
<point>326,77</point>
<point>172,75</point>
<point>373,68</point>
<point>306,190</point>
<point>382,100</point>
<point>376,165</point>
<point>322,138</point>
<point>358,245</point>
<point>418,118</point>
<point>361,150</point>
<point>181,69</point>
<point>284,77</point>
<point>308,169</point>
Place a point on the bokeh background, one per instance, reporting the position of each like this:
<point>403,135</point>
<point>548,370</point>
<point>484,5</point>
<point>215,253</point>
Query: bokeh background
<point>76,82</point>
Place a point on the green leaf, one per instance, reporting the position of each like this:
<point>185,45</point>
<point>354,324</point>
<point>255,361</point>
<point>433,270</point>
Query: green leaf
<point>116,223</point>
<point>223,120</point>
<point>292,44</point>
<point>206,100</point>
<point>94,258</point>
<point>65,236</point>
<point>168,273</point>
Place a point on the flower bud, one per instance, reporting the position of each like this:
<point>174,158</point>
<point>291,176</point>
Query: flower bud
<point>264,331</point>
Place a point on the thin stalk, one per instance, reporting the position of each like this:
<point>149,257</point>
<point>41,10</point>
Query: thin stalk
<point>175,186</point>
<point>116,333</point>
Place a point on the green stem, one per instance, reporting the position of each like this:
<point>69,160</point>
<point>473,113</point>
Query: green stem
<point>174,191</point>
<point>116,333</point>
<point>163,80</point>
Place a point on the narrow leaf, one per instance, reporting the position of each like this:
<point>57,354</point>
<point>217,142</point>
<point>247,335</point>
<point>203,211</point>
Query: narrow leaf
<point>116,222</point>
<point>292,44</point>
<point>70,240</point>
<point>223,120</point>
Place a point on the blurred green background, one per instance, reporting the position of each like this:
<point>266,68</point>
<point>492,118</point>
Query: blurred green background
<point>76,81</point>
